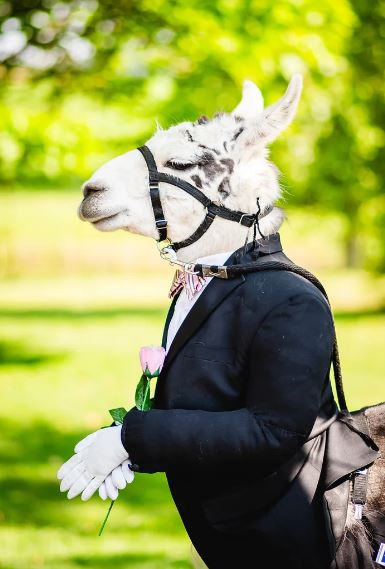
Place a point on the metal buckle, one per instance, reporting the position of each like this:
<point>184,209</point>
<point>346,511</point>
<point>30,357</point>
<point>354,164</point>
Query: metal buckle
<point>209,213</point>
<point>252,216</point>
<point>188,268</point>
<point>167,253</point>
<point>164,244</point>
<point>360,503</point>
<point>221,272</point>
<point>161,223</point>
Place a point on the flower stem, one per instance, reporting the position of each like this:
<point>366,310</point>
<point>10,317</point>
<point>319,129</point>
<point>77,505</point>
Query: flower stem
<point>106,518</point>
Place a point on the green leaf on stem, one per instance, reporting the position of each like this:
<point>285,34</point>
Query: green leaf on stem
<point>142,394</point>
<point>150,374</point>
<point>118,414</point>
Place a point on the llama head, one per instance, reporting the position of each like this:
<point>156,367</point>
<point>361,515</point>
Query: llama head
<point>225,157</point>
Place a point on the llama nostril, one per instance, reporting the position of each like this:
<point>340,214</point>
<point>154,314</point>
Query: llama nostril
<point>92,187</point>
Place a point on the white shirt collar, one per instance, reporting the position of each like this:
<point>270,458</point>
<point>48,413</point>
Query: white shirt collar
<point>216,259</point>
<point>184,303</point>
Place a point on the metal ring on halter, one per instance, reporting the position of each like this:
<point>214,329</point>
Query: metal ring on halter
<point>164,244</point>
<point>246,215</point>
<point>167,253</point>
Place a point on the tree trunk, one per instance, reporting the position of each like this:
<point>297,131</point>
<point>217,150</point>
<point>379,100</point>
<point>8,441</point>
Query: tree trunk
<point>352,253</point>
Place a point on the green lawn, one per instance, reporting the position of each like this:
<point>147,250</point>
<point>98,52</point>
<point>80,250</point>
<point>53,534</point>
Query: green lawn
<point>61,371</point>
<point>72,321</point>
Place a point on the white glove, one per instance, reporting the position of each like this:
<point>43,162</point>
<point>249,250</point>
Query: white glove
<point>96,456</point>
<point>117,480</point>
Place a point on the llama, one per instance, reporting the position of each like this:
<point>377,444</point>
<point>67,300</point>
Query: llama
<point>226,158</point>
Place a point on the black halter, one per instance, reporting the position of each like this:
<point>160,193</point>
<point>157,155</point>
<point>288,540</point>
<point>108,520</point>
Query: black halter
<point>212,209</point>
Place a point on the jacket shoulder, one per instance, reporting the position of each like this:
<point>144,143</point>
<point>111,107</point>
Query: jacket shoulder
<point>274,287</point>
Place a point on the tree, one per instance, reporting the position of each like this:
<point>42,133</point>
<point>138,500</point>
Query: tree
<point>84,80</point>
<point>349,166</point>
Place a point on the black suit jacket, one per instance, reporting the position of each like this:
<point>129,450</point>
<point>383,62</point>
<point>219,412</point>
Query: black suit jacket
<point>245,381</point>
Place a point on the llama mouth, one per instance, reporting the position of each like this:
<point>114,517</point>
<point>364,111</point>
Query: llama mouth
<point>92,211</point>
<point>111,222</point>
<point>106,218</point>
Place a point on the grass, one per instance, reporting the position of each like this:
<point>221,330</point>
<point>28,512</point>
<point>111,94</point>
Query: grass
<point>72,321</point>
<point>62,370</point>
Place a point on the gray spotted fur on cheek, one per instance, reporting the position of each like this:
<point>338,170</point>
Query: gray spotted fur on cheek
<point>229,163</point>
<point>224,189</point>
<point>197,181</point>
<point>210,167</point>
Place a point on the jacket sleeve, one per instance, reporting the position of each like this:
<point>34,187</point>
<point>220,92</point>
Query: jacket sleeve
<point>287,365</point>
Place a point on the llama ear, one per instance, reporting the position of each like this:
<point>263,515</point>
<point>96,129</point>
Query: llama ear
<point>277,117</point>
<point>251,105</point>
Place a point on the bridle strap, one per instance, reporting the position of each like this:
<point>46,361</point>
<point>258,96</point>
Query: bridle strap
<point>153,182</point>
<point>183,185</point>
<point>212,209</point>
<point>203,227</point>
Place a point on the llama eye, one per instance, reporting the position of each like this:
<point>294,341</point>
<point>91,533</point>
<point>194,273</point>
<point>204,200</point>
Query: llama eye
<point>179,165</point>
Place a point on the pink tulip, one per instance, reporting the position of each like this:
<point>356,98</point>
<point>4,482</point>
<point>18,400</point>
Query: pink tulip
<point>151,359</point>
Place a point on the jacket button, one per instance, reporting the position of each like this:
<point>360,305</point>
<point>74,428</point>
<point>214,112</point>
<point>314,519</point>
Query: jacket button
<point>134,467</point>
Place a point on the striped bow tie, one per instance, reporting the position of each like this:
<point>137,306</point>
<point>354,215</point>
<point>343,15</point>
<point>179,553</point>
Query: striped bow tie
<point>192,284</point>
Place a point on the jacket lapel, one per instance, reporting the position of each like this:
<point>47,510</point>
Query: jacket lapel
<point>215,293</point>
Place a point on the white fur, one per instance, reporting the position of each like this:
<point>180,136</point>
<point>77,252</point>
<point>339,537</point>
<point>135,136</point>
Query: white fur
<point>251,105</point>
<point>120,198</point>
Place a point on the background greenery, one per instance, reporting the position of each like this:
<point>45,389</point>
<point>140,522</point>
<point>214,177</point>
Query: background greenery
<point>82,81</point>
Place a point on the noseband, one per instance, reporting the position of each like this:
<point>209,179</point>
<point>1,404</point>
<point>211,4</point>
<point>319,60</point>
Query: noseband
<point>168,248</point>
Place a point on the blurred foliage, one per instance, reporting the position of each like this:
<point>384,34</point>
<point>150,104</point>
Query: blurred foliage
<point>84,80</point>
